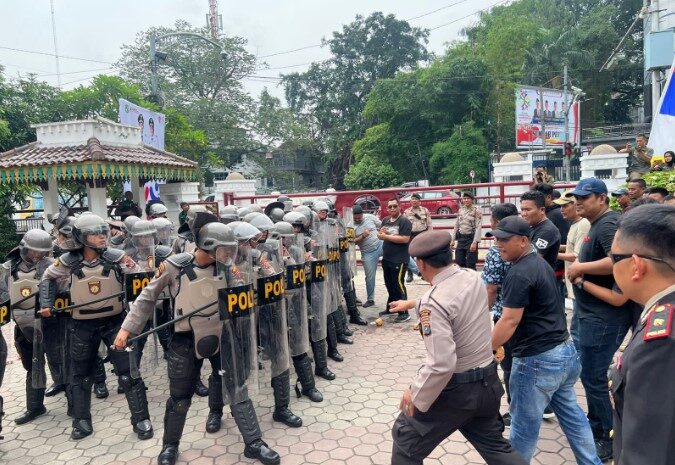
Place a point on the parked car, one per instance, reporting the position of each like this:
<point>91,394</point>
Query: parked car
<point>444,202</point>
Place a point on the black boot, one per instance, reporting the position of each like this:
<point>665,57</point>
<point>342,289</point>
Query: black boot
<point>81,394</point>
<point>303,367</point>
<point>69,400</point>
<point>200,389</point>
<point>354,315</point>
<point>34,403</point>
<point>320,360</point>
<point>343,331</point>
<point>2,414</point>
<point>55,389</point>
<point>100,388</point>
<point>332,340</point>
<point>214,419</point>
<point>281,385</point>
<point>134,390</point>
<point>174,422</point>
<point>247,422</point>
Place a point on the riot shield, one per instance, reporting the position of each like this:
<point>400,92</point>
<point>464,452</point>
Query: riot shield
<point>272,322</point>
<point>350,236</point>
<point>293,252</point>
<point>334,283</point>
<point>319,287</point>
<point>238,344</point>
<point>135,279</point>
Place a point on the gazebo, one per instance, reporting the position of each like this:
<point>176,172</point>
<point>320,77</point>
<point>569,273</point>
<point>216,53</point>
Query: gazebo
<point>96,152</point>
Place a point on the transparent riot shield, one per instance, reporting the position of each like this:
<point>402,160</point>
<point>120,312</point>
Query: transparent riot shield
<point>272,322</point>
<point>350,236</point>
<point>293,252</point>
<point>135,280</point>
<point>334,284</point>
<point>319,295</point>
<point>238,344</point>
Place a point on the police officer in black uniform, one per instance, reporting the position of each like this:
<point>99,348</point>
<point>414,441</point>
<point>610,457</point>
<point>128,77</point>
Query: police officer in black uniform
<point>93,273</point>
<point>641,380</point>
<point>21,274</point>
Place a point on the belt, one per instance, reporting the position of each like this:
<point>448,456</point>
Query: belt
<point>477,374</point>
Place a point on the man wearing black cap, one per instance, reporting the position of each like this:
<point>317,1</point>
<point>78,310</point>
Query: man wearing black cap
<point>545,362</point>
<point>602,326</point>
<point>457,388</point>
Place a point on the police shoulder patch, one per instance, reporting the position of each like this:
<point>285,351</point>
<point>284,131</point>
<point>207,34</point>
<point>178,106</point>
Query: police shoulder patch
<point>160,269</point>
<point>425,321</point>
<point>56,262</point>
<point>659,322</point>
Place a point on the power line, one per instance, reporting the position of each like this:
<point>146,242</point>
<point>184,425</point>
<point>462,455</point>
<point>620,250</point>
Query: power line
<point>469,15</point>
<point>290,51</point>
<point>34,52</point>
<point>436,10</point>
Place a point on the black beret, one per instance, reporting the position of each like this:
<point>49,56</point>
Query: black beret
<point>430,243</point>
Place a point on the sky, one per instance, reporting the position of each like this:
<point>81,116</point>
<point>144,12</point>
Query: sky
<point>95,30</point>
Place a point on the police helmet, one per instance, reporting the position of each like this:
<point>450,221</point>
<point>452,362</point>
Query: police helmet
<point>245,232</point>
<point>35,245</point>
<point>256,208</point>
<point>129,222</point>
<point>250,216</point>
<point>284,229</point>
<point>243,211</point>
<point>287,201</point>
<point>262,222</point>
<point>163,227</point>
<point>65,239</point>
<point>214,235</point>
<point>296,219</point>
<point>276,214</point>
<point>143,228</point>
<point>305,210</point>
<point>320,205</point>
<point>158,210</point>
<point>91,225</point>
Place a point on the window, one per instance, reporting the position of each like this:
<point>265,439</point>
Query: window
<point>432,195</point>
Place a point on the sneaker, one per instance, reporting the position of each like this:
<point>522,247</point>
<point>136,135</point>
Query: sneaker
<point>506,418</point>
<point>604,449</point>
<point>409,277</point>
<point>402,318</point>
<point>548,413</point>
<point>369,303</point>
<point>385,313</point>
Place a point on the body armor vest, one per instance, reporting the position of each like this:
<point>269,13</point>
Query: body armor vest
<point>22,284</point>
<point>199,287</point>
<point>94,284</point>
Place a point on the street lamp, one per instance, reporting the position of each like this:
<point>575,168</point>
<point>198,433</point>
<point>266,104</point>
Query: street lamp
<point>157,56</point>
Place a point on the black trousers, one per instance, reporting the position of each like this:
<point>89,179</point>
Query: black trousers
<point>464,257</point>
<point>394,280</point>
<point>471,408</point>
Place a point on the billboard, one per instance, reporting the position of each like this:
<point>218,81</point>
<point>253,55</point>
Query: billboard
<point>535,109</point>
<point>151,123</point>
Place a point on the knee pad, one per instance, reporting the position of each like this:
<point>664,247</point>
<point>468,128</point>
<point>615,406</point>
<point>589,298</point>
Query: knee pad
<point>125,382</point>
<point>180,406</point>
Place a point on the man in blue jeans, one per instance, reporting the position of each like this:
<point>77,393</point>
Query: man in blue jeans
<point>602,327</point>
<point>366,226</point>
<point>545,362</point>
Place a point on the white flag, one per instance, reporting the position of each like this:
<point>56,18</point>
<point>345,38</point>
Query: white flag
<point>662,136</point>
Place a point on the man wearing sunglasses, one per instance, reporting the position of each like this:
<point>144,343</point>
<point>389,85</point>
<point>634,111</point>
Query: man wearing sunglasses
<point>640,380</point>
<point>602,326</point>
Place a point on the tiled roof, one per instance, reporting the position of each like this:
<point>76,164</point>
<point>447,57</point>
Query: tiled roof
<point>36,154</point>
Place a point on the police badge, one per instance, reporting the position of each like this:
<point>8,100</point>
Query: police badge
<point>25,291</point>
<point>94,287</point>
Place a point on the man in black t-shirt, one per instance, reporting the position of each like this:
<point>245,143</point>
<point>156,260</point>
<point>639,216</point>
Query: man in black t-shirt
<point>602,327</point>
<point>544,236</point>
<point>395,232</point>
<point>554,213</point>
<point>545,362</point>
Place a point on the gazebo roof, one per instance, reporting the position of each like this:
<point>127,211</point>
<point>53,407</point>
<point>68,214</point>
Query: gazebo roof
<point>106,150</point>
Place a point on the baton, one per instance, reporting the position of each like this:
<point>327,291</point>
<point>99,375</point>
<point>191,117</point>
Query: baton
<point>102,299</point>
<point>24,299</point>
<point>168,323</point>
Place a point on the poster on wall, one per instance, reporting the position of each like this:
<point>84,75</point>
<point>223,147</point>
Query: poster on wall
<point>151,123</point>
<point>545,110</point>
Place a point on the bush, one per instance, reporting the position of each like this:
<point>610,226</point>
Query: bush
<point>370,174</point>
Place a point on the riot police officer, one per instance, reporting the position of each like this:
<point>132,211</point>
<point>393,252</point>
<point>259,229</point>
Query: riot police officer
<point>272,323</point>
<point>185,242</point>
<point>228,214</point>
<point>20,277</point>
<point>293,252</point>
<point>163,227</point>
<point>194,281</point>
<point>156,210</point>
<point>94,274</point>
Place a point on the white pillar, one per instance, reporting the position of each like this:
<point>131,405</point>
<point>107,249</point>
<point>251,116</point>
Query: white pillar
<point>172,194</point>
<point>50,198</point>
<point>97,198</point>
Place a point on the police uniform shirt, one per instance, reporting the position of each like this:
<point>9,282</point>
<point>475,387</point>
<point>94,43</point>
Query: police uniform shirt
<point>641,383</point>
<point>469,221</point>
<point>456,327</point>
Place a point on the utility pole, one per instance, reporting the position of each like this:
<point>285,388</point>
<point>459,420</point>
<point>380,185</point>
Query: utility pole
<point>566,159</point>
<point>56,47</point>
<point>213,19</point>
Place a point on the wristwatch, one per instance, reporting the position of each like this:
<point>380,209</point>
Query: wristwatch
<point>580,284</point>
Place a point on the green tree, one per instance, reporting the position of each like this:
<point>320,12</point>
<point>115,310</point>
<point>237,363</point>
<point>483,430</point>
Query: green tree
<point>453,159</point>
<point>371,174</point>
<point>334,92</point>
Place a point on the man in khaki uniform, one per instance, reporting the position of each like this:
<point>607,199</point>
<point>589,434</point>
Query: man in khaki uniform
<point>420,217</point>
<point>467,232</point>
<point>457,388</point>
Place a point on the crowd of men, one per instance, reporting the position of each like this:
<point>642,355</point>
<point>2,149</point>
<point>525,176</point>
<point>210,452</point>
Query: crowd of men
<point>251,291</point>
